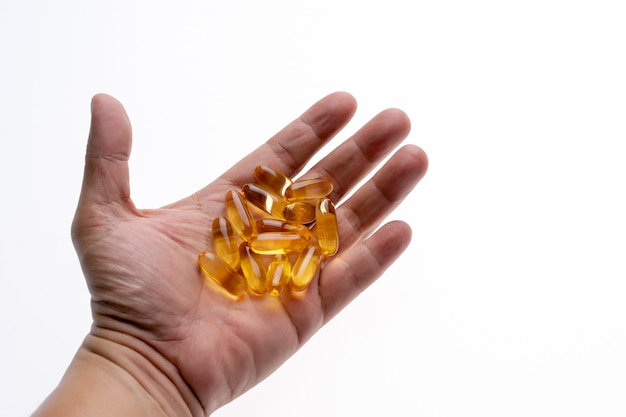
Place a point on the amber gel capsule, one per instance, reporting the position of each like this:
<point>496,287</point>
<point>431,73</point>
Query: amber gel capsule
<point>299,212</point>
<point>268,224</point>
<point>219,271</point>
<point>271,179</point>
<point>253,269</point>
<point>278,274</point>
<point>272,243</point>
<point>239,215</point>
<point>305,267</point>
<point>225,241</point>
<point>310,188</point>
<point>327,229</point>
<point>264,199</point>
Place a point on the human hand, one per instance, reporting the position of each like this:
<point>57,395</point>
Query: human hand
<point>148,294</point>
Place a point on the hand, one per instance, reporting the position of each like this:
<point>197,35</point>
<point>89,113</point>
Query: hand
<point>140,265</point>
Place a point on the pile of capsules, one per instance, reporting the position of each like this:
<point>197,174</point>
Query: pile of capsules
<point>277,247</point>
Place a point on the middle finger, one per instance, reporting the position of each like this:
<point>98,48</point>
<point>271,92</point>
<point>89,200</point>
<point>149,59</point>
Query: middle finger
<point>356,157</point>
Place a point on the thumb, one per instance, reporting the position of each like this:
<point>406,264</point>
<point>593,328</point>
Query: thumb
<point>106,178</point>
<point>106,189</point>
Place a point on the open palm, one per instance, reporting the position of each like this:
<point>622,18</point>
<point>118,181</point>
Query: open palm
<point>141,267</point>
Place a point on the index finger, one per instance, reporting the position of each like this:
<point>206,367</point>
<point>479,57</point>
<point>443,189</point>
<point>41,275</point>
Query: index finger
<point>291,148</point>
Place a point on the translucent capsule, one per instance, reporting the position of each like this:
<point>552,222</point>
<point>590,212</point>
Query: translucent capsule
<point>264,199</point>
<point>272,243</point>
<point>271,179</point>
<point>326,225</point>
<point>268,224</point>
<point>225,241</point>
<point>300,226</point>
<point>239,215</point>
<point>299,212</point>
<point>305,267</point>
<point>219,271</point>
<point>278,274</point>
<point>253,269</point>
<point>309,188</point>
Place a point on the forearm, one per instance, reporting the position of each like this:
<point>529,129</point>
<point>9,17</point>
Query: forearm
<point>108,378</point>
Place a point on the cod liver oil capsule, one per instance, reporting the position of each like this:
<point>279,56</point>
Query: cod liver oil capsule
<point>225,241</point>
<point>272,243</point>
<point>253,269</point>
<point>310,188</point>
<point>268,224</point>
<point>305,267</point>
<point>239,215</point>
<point>264,199</point>
<point>327,229</point>
<point>299,212</point>
<point>278,274</point>
<point>298,225</point>
<point>219,271</point>
<point>271,179</point>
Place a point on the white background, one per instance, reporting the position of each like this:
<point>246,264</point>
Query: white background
<point>511,298</point>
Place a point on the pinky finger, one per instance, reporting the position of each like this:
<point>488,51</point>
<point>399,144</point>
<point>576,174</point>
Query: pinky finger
<point>347,275</point>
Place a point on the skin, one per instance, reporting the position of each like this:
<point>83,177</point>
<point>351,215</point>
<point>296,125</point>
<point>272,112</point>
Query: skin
<point>167,342</point>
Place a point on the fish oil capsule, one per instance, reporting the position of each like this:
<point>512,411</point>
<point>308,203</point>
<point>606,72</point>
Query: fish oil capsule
<point>219,271</point>
<point>326,225</point>
<point>240,217</point>
<point>305,267</point>
<point>272,243</point>
<point>253,269</point>
<point>278,274</point>
<point>299,212</point>
<point>271,179</point>
<point>264,199</point>
<point>268,224</point>
<point>225,241</point>
<point>309,188</point>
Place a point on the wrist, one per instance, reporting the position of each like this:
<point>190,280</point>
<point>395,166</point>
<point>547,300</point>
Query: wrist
<point>117,374</point>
